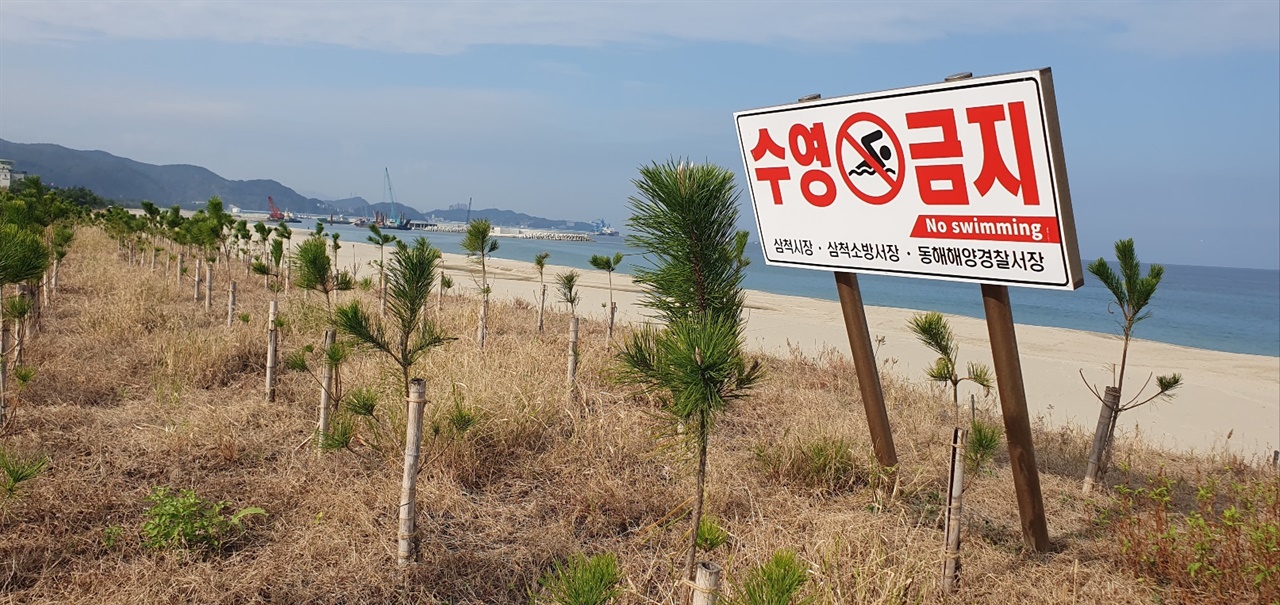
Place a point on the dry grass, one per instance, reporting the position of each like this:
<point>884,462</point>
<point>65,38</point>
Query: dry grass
<point>138,387</point>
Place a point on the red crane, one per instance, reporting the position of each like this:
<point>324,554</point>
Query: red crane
<point>276,214</point>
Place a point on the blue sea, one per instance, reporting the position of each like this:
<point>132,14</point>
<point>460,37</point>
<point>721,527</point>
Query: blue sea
<point>1223,309</point>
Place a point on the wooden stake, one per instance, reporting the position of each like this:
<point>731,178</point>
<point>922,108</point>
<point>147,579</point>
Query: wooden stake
<point>4,367</point>
<point>483,328</point>
<point>326,382</point>
<point>272,341</point>
<point>706,584</point>
<point>573,353</point>
<point>1017,422</point>
<point>542,304</point>
<point>417,401</point>
<point>199,273</point>
<point>864,362</point>
<point>382,294</point>
<point>231,302</point>
<point>955,495</point>
<point>178,276</point>
<point>440,299</point>
<point>208,287</point>
<point>613,312</point>
<point>1093,471</point>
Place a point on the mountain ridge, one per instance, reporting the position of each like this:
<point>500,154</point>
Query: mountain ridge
<point>125,180</point>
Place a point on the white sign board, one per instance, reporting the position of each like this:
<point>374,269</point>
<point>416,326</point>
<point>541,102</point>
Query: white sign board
<point>960,180</point>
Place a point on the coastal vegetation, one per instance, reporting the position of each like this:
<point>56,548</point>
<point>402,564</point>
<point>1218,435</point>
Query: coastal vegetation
<point>540,263</point>
<point>1132,292</point>
<point>608,264</point>
<point>685,216</point>
<point>479,243</point>
<point>135,391</point>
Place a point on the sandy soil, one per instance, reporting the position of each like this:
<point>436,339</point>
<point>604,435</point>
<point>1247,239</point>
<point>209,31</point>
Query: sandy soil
<point>1228,400</point>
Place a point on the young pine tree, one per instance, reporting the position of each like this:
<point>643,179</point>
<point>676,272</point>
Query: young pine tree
<point>380,239</point>
<point>408,333</point>
<point>540,263</point>
<point>479,242</point>
<point>1132,293</point>
<point>608,264</point>
<point>684,216</point>
<point>933,331</point>
<point>567,289</point>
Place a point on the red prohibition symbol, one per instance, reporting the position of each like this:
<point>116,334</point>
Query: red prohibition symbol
<point>871,158</point>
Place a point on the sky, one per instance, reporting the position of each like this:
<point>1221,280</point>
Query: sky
<point>1170,111</point>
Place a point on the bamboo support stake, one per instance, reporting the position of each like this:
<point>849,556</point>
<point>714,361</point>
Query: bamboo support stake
<point>178,276</point>
<point>573,353</point>
<point>21,327</point>
<point>199,272</point>
<point>1093,471</point>
<point>483,328</point>
<point>272,341</point>
<point>613,312</point>
<point>955,496</point>
<point>154,252</point>
<point>208,287</point>
<point>231,302</point>
<point>706,584</point>
<point>4,368</point>
<point>408,535</point>
<point>56,263</point>
<point>326,385</point>
<point>542,304</point>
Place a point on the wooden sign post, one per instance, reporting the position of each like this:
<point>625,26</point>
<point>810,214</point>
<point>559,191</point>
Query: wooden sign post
<point>962,180</point>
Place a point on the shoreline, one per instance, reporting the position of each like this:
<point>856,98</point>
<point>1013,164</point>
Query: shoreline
<point>1229,401</point>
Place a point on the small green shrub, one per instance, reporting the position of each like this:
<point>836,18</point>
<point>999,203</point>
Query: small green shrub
<point>111,536</point>
<point>342,431</point>
<point>1227,551</point>
<point>710,535</point>
<point>984,442</point>
<point>18,469</point>
<point>582,580</point>
<point>184,520</point>
<point>777,582</point>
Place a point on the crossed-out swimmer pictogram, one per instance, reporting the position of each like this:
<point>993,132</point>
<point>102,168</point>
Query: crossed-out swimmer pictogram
<point>873,158</point>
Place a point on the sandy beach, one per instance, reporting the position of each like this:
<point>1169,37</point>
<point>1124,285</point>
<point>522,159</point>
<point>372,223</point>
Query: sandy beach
<point>1228,400</point>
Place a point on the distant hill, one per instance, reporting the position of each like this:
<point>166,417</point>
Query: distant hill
<point>126,180</point>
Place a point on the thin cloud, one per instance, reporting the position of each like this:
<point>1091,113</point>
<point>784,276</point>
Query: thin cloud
<point>1179,28</point>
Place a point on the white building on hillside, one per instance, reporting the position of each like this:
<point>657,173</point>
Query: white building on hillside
<point>6,169</point>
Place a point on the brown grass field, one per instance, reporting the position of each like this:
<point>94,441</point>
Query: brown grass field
<point>137,386</point>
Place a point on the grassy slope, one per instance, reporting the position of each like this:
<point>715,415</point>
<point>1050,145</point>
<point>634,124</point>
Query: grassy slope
<point>137,387</point>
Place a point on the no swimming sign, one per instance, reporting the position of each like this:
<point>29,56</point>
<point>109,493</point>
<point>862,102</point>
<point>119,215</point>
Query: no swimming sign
<point>959,180</point>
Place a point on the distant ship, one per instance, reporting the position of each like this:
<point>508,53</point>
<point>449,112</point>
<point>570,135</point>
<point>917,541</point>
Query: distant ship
<point>603,228</point>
